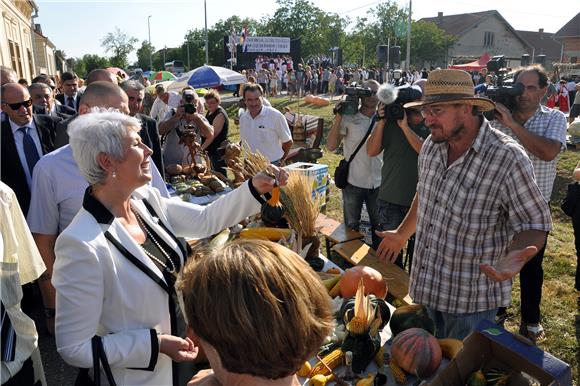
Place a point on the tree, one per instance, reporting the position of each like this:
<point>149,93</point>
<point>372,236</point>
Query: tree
<point>120,45</point>
<point>429,43</point>
<point>93,62</point>
<point>144,55</point>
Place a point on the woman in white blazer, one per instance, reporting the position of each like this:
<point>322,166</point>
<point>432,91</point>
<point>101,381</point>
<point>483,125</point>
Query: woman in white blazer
<point>117,262</point>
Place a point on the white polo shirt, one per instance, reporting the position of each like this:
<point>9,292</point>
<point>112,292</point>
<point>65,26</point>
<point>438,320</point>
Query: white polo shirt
<point>266,133</point>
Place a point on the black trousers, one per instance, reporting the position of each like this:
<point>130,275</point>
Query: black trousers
<point>531,280</point>
<point>25,377</point>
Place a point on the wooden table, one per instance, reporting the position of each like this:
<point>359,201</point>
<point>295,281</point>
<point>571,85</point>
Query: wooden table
<point>335,232</point>
<point>358,253</point>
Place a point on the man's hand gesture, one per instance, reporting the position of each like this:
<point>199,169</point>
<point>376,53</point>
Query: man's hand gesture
<point>390,246</point>
<point>510,265</point>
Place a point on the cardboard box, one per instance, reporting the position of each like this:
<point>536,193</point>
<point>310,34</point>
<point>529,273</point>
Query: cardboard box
<point>318,173</point>
<point>490,346</point>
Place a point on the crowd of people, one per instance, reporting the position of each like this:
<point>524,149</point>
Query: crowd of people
<point>87,214</point>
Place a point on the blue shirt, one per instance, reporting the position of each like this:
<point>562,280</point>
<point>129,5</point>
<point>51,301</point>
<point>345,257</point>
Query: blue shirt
<point>58,188</point>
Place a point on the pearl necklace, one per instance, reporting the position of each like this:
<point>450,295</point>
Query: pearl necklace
<point>142,224</point>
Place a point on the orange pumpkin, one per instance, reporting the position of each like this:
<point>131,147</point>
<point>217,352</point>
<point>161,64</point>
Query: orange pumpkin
<point>372,279</point>
<point>417,352</point>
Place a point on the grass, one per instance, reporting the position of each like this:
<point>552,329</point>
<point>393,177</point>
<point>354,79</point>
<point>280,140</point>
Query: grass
<point>560,302</point>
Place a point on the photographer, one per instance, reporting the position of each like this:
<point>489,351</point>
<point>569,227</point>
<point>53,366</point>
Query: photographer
<point>176,121</point>
<point>400,140</point>
<point>364,177</point>
<point>542,133</point>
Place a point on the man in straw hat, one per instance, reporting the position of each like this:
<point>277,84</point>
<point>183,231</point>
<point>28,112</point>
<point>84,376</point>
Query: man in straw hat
<point>542,132</point>
<point>478,213</point>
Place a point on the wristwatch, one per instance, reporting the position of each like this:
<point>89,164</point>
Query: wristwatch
<point>49,313</point>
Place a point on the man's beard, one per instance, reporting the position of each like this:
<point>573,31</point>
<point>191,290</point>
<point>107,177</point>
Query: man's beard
<point>456,132</point>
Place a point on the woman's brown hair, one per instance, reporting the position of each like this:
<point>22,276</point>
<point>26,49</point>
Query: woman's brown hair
<point>259,305</point>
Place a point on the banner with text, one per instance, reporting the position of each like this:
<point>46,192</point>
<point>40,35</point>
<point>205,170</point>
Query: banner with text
<point>266,44</point>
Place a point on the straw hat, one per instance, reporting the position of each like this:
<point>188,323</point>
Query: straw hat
<point>450,87</point>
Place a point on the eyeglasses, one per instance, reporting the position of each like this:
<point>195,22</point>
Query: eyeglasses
<point>16,106</point>
<point>432,111</point>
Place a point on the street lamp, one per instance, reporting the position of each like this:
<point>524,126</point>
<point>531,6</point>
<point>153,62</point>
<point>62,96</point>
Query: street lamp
<point>150,46</point>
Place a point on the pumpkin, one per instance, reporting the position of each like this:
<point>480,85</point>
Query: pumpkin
<point>409,316</point>
<point>372,279</point>
<point>417,352</point>
<point>272,210</point>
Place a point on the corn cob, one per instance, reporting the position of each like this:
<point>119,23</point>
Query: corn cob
<point>273,234</point>
<point>328,363</point>
<point>398,373</point>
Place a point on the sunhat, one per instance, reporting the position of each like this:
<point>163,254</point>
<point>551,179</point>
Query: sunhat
<point>450,87</point>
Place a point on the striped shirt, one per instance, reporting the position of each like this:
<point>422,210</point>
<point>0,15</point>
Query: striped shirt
<point>20,263</point>
<point>468,213</point>
<point>547,123</point>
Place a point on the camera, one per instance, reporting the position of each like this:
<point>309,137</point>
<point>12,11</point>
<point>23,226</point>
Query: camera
<point>189,108</point>
<point>503,90</point>
<point>189,104</point>
<point>350,104</point>
<point>395,97</point>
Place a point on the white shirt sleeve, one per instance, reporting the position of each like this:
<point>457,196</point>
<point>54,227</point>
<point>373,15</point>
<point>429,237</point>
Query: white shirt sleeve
<point>282,128</point>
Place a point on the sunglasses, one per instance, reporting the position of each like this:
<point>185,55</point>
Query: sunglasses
<point>16,106</point>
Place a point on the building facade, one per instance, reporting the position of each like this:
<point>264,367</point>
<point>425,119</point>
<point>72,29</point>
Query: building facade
<point>23,47</point>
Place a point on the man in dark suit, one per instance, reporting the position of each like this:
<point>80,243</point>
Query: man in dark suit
<point>25,138</point>
<point>43,102</point>
<point>70,86</point>
<point>149,134</point>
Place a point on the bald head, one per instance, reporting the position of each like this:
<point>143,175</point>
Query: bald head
<point>105,95</point>
<point>16,103</point>
<point>101,75</point>
<point>7,75</point>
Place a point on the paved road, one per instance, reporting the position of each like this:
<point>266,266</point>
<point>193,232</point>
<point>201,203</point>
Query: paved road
<point>56,371</point>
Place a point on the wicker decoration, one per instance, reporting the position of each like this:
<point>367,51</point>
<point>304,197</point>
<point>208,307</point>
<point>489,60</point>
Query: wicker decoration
<point>450,87</point>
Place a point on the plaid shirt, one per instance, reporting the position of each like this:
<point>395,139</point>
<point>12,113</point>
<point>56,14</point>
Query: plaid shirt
<point>468,214</point>
<point>547,123</point>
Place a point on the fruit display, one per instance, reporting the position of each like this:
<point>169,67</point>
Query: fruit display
<point>410,316</point>
<point>372,279</point>
<point>417,352</point>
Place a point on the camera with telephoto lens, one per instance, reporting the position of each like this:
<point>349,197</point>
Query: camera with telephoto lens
<point>503,90</point>
<point>395,97</point>
<point>189,105</point>
<point>350,104</point>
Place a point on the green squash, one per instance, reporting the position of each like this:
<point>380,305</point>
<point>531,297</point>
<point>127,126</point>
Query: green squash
<point>410,316</point>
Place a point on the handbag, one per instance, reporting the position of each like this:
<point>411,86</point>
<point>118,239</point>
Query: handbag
<point>99,358</point>
<point>341,171</point>
<point>571,203</point>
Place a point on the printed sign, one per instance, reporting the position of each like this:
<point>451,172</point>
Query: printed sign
<point>266,44</point>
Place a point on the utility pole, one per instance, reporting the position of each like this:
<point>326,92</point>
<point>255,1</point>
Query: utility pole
<point>205,32</point>
<point>408,58</point>
<point>150,46</point>
<point>188,62</point>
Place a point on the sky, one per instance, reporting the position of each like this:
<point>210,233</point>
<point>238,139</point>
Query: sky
<point>78,26</point>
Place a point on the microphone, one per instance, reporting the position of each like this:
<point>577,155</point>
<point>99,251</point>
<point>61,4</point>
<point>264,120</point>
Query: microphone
<point>387,93</point>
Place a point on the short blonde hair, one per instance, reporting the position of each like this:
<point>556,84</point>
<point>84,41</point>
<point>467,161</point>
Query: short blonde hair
<point>259,304</point>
